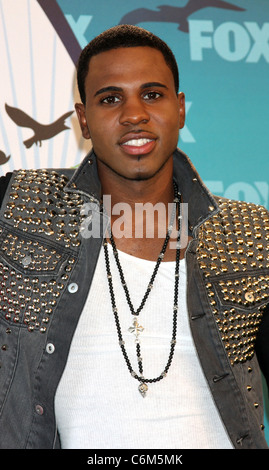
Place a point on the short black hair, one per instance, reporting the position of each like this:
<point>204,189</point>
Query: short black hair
<point>122,36</point>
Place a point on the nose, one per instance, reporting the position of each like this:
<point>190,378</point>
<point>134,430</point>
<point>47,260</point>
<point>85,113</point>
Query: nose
<point>133,111</point>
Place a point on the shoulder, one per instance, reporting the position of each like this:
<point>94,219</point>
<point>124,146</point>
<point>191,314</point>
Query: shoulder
<point>235,239</point>
<point>244,213</point>
<point>237,219</point>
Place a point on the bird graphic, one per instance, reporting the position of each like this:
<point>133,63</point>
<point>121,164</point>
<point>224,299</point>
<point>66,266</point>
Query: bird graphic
<point>41,131</point>
<point>3,158</point>
<point>170,14</point>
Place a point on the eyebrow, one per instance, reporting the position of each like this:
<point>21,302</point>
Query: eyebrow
<point>119,89</point>
<point>153,84</point>
<point>106,89</point>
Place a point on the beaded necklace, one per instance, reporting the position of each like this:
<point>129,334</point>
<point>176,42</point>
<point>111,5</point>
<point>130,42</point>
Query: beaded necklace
<point>136,328</point>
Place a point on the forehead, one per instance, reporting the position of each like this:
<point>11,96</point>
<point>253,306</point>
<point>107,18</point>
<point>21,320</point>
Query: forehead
<point>127,66</point>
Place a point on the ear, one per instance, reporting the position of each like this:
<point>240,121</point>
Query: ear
<point>181,102</point>
<point>80,110</point>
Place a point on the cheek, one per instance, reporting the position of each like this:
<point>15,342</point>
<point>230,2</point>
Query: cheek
<point>170,128</point>
<point>100,127</point>
<point>95,130</point>
<point>169,119</point>
<point>101,140</point>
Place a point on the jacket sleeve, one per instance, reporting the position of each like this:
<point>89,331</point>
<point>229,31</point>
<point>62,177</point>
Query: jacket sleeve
<point>262,345</point>
<point>4,180</point>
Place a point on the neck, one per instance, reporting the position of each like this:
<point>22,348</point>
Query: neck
<point>159,188</point>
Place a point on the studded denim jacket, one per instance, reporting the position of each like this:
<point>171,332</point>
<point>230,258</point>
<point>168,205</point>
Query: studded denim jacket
<point>46,268</point>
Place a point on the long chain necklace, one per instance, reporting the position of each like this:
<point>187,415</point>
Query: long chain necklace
<point>136,328</point>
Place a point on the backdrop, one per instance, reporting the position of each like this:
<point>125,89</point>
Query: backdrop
<point>222,49</point>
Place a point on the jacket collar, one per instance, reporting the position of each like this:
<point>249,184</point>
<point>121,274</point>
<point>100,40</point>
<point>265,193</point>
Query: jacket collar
<point>201,203</point>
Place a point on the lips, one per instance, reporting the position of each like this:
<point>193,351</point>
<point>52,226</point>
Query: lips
<point>138,144</point>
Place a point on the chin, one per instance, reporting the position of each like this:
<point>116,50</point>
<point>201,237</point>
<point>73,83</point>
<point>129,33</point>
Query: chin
<point>142,176</point>
<point>139,172</point>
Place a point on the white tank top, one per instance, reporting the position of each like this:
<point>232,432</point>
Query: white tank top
<point>98,404</point>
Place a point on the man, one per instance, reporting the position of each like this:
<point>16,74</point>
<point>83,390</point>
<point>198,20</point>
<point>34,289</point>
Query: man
<point>110,338</point>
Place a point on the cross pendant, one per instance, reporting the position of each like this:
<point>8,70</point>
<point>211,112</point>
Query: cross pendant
<point>136,329</point>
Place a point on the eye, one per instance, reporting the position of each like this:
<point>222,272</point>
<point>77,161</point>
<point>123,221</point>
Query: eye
<point>152,95</point>
<point>111,99</point>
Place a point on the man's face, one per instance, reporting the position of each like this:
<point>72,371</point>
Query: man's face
<point>132,112</point>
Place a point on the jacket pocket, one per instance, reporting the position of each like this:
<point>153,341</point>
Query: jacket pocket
<point>247,292</point>
<point>238,301</point>
<point>33,275</point>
